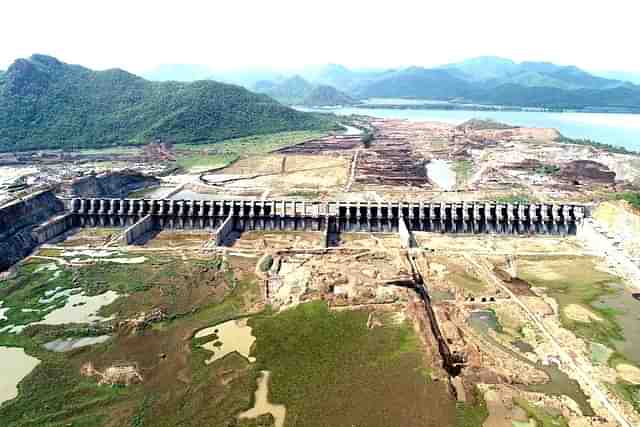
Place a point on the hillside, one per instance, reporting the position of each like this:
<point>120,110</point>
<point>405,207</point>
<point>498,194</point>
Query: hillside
<point>45,103</point>
<point>298,91</point>
<point>324,95</point>
<point>499,81</point>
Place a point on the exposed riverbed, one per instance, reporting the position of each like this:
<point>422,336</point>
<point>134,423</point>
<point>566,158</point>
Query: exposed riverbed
<point>16,365</point>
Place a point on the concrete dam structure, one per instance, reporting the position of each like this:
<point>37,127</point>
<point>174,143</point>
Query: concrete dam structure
<point>335,216</point>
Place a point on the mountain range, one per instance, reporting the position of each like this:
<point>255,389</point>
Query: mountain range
<point>45,103</point>
<point>481,80</point>
<point>298,91</point>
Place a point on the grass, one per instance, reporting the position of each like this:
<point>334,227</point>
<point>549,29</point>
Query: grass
<point>514,198</point>
<point>542,417</point>
<point>206,161</point>
<point>629,392</point>
<point>55,393</point>
<point>463,169</point>
<point>252,145</point>
<point>632,198</point>
<point>576,281</point>
<point>328,368</point>
<point>472,415</point>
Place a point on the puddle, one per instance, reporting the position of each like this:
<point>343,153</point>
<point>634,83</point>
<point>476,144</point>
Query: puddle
<point>231,336</point>
<point>67,344</point>
<point>559,383</point>
<point>16,365</point>
<point>80,308</point>
<point>3,311</point>
<point>440,172</point>
<point>262,405</point>
<point>524,347</point>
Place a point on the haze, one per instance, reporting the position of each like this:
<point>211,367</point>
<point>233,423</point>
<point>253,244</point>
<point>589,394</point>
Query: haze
<point>138,36</point>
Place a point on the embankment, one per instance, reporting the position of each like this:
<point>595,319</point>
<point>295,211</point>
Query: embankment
<point>25,223</point>
<point>112,184</point>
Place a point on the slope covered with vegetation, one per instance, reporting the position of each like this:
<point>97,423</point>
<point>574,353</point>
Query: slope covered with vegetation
<point>298,91</point>
<point>45,103</point>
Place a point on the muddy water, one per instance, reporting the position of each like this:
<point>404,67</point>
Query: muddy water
<point>262,405</point>
<point>231,336</point>
<point>440,172</point>
<point>80,308</point>
<point>16,365</point>
<point>628,317</point>
<point>67,344</point>
<point>559,383</point>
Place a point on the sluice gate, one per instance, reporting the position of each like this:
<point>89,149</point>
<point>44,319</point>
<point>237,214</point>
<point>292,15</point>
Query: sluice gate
<point>335,216</point>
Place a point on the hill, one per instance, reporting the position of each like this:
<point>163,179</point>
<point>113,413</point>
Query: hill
<point>45,103</point>
<point>499,81</point>
<point>298,91</point>
<point>323,95</point>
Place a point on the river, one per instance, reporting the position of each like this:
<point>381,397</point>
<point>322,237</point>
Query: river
<point>616,129</point>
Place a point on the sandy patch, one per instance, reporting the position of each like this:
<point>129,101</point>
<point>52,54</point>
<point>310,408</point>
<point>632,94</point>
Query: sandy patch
<point>16,365</point>
<point>262,405</point>
<point>581,314</point>
<point>628,373</point>
<point>79,308</point>
<point>232,336</point>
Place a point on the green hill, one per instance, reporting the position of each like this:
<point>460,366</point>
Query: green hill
<point>45,103</point>
<point>298,91</point>
<point>324,95</point>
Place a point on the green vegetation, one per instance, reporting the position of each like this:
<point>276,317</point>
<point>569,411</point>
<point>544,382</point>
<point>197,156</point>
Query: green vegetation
<point>577,281</point>
<point>463,169</point>
<point>591,143</point>
<point>297,91</point>
<point>45,103</point>
<point>206,161</point>
<point>472,415</point>
<point>542,417</point>
<point>629,392</point>
<point>514,198</point>
<point>367,138</point>
<point>322,360</point>
<point>266,263</point>
<point>484,124</point>
<point>548,170</point>
<point>631,197</point>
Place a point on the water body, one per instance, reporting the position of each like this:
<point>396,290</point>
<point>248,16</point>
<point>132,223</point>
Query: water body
<point>16,365</point>
<point>440,172</point>
<point>67,344</point>
<point>262,405</point>
<point>559,383</point>
<point>617,129</point>
<point>232,336</point>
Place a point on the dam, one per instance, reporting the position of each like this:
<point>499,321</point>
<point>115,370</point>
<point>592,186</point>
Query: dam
<point>332,216</point>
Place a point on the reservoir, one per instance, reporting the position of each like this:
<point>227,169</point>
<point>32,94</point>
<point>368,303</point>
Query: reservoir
<point>616,129</point>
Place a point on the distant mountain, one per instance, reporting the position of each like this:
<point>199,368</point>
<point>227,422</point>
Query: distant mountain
<point>45,103</point>
<point>483,68</point>
<point>297,91</point>
<point>178,73</point>
<point>624,76</point>
<point>341,77</point>
<point>248,78</point>
<point>324,95</point>
<point>493,80</point>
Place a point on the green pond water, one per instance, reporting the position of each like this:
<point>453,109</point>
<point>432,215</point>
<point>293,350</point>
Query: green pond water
<point>559,383</point>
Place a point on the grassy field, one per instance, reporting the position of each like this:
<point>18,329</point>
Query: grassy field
<point>328,368</point>
<point>542,417</point>
<point>463,169</point>
<point>576,281</point>
<point>211,156</point>
<point>178,388</point>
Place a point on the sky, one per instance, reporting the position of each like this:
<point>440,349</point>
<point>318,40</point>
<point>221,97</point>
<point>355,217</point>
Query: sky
<point>138,35</point>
